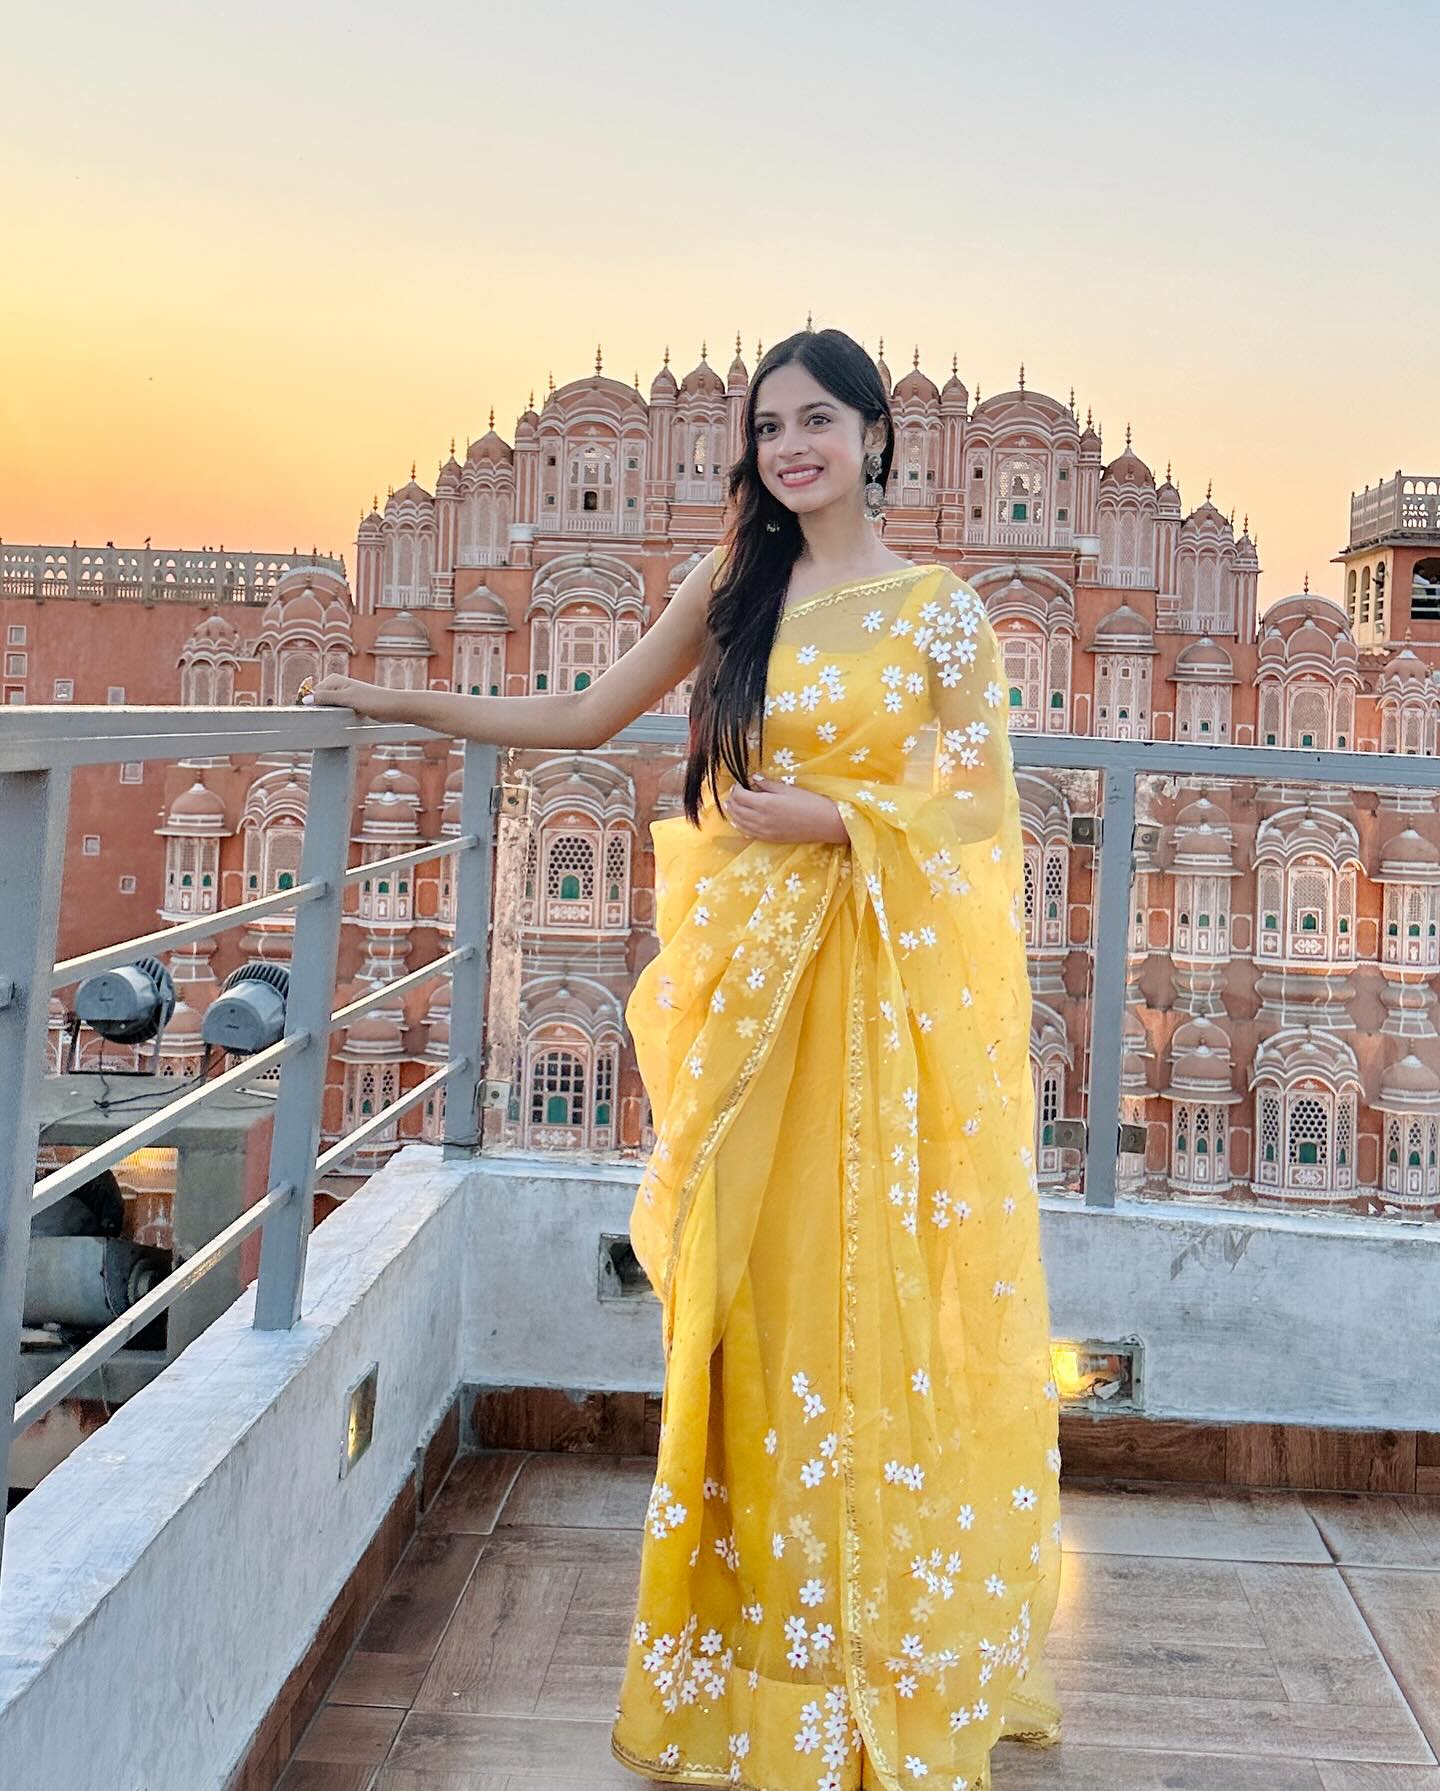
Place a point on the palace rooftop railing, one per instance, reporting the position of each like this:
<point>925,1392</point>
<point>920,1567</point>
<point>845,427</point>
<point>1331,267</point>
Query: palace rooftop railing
<point>38,751</point>
<point>40,747</point>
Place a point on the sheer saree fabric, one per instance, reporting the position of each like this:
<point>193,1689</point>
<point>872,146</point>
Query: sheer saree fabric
<point>851,1555</point>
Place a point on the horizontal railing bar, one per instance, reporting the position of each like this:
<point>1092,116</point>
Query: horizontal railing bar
<point>133,1319</point>
<point>90,734</point>
<point>377,1122</point>
<point>436,967</point>
<point>61,1182</point>
<point>433,849</point>
<point>1272,764</point>
<point>223,920</point>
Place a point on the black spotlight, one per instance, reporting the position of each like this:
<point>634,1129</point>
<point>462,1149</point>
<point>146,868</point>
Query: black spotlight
<point>128,1006</point>
<point>249,1012</point>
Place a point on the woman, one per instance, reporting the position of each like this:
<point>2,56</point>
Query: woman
<point>851,1555</point>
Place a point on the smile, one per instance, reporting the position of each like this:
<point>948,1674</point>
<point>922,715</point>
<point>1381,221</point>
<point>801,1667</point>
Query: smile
<point>801,475</point>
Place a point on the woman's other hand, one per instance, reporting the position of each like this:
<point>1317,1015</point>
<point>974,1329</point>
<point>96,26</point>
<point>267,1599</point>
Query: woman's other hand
<point>783,812</point>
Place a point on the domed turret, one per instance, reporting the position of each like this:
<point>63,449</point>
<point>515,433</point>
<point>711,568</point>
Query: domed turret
<point>916,385</point>
<point>1409,1086</point>
<point>489,447</point>
<point>663,385</point>
<point>702,380</point>
<point>196,809</point>
<point>1128,469</point>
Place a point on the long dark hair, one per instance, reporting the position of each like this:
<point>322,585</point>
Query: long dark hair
<point>745,604</point>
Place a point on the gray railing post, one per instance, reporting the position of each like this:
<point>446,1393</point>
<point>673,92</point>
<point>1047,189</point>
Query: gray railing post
<point>464,1121</point>
<point>1111,936</point>
<point>34,808</point>
<point>296,1139</point>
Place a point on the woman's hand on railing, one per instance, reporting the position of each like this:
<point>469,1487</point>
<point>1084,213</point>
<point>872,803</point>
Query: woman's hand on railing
<point>335,690</point>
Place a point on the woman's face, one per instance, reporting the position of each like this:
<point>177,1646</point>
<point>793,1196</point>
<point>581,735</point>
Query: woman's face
<point>808,444</point>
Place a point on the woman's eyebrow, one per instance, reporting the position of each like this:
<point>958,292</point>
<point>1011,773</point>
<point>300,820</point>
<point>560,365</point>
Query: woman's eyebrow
<point>814,404</point>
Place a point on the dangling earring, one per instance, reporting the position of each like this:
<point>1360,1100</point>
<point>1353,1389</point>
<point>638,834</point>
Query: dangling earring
<point>874,490</point>
<point>772,527</point>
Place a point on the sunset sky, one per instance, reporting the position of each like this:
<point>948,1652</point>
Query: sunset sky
<point>259,258</point>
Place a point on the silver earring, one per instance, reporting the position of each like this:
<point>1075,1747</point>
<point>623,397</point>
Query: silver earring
<point>773,527</point>
<point>874,490</point>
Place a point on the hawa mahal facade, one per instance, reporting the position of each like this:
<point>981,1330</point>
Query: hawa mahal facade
<point>1281,1042</point>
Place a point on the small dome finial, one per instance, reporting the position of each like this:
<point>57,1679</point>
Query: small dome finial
<point>597,360</point>
<point>492,416</point>
<point>977,392</point>
<point>552,382</point>
<point>1167,472</point>
<point>915,362</point>
<point>954,366</point>
<point>1209,486</point>
<point>1072,401</point>
<point>1245,526</point>
<point>737,345</point>
<point>412,469</point>
<point>1127,438</point>
<point>809,320</point>
<point>1307,584</point>
<point>882,348</point>
<point>1089,413</point>
<point>759,348</point>
<point>452,447</point>
<point>1022,376</point>
<point>667,354</point>
<point>532,398</point>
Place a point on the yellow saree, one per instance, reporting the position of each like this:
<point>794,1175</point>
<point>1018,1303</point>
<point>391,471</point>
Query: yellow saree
<point>852,1549</point>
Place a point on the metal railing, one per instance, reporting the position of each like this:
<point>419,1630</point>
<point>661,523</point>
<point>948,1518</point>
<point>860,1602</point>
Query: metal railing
<point>38,750</point>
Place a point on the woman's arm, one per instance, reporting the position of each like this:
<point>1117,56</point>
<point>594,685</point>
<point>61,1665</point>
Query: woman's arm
<point>581,720</point>
<point>542,720</point>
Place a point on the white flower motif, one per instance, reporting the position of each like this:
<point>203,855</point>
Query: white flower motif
<point>812,1473</point>
<point>920,1381</point>
<point>812,1592</point>
<point>872,619</point>
<point>898,1474</point>
<point>777,1544</point>
<point>1023,1498</point>
<point>806,654</point>
<point>771,1441</point>
<point>664,1513</point>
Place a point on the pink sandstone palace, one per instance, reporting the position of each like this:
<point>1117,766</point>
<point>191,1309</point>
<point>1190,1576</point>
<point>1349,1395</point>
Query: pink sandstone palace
<point>1281,1039</point>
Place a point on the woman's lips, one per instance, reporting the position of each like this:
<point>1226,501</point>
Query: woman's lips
<point>801,476</point>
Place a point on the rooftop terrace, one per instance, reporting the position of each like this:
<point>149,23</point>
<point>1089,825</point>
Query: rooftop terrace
<point>1250,1429</point>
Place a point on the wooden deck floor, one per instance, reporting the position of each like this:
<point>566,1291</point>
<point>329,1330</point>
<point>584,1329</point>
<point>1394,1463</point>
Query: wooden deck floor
<point>1206,1640</point>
